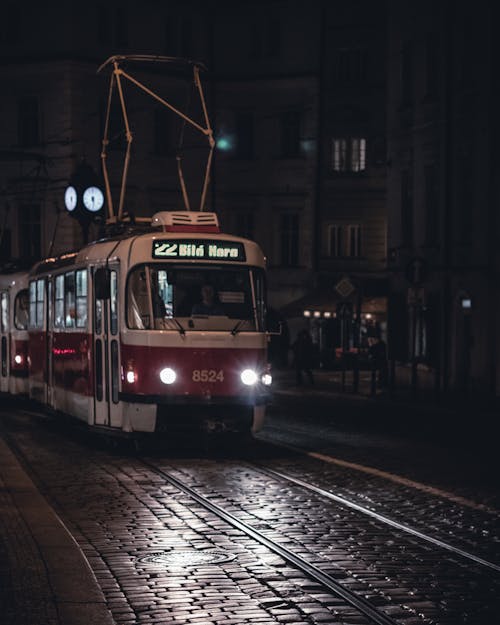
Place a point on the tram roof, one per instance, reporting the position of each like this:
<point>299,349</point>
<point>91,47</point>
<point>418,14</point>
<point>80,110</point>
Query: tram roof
<point>137,248</point>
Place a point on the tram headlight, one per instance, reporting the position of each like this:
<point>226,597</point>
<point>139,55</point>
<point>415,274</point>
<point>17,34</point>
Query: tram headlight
<point>168,375</point>
<point>131,376</point>
<point>249,377</point>
<point>266,379</point>
<point>18,359</point>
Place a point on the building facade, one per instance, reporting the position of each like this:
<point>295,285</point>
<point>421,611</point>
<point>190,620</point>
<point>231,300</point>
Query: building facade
<point>442,195</point>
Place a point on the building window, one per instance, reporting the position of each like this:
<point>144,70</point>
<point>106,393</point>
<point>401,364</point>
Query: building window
<point>245,224</point>
<point>244,126</point>
<point>10,26</point>
<point>28,121</point>
<point>163,143</point>
<point>264,40</point>
<point>335,241</point>
<point>289,235</point>
<point>407,75</point>
<point>273,37</point>
<point>112,26</point>
<point>465,215</point>
<point>121,27</point>
<point>5,244</point>
<point>290,134</point>
<point>104,25</point>
<point>353,240</point>
<point>178,32</point>
<point>344,240</point>
<point>349,154</point>
<point>350,66</point>
<point>431,205</point>
<point>185,37</point>
<point>406,208</point>
<point>29,231</point>
<point>431,65</point>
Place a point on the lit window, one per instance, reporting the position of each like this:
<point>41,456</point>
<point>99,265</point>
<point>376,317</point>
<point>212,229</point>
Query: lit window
<point>349,154</point>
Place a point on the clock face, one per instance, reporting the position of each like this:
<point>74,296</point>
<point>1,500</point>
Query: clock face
<point>93,199</point>
<point>70,198</point>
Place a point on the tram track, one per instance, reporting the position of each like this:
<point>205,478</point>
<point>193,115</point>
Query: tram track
<point>379,517</point>
<point>377,588</point>
<point>312,571</point>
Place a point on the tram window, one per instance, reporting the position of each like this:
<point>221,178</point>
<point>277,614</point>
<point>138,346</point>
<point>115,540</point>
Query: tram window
<point>59,302</point>
<point>32,313</point>
<point>40,299</point>
<point>21,310</point>
<point>113,300</point>
<point>81,298</point>
<point>69,300</point>
<point>137,300</point>
<point>260,300</point>
<point>98,316</point>
<point>4,318</point>
<point>37,298</point>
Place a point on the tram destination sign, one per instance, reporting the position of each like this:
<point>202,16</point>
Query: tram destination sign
<point>199,249</point>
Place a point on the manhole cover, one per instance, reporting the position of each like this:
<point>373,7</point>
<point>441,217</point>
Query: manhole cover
<point>187,558</point>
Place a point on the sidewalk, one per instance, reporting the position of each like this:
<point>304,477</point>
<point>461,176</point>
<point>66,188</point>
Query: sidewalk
<point>44,576</point>
<point>403,406</point>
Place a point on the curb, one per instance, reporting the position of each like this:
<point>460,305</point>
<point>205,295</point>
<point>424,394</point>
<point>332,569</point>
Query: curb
<point>75,592</point>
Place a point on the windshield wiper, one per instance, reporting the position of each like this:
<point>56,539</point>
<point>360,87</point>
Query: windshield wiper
<point>236,328</point>
<point>180,327</point>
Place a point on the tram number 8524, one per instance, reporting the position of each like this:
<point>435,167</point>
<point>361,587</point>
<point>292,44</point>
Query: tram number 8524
<point>208,375</point>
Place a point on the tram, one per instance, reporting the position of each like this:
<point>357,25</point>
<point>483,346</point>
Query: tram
<point>120,339</point>
<point>14,331</point>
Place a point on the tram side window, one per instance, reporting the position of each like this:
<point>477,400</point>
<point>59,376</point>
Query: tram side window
<point>260,297</point>
<point>81,298</point>
<point>37,298</point>
<point>21,308</point>
<point>69,300</point>
<point>4,318</point>
<point>113,302</point>
<point>138,300</point>
<point>59,302</point>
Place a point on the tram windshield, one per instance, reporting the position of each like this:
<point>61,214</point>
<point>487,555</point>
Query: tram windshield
<point>163,297</point>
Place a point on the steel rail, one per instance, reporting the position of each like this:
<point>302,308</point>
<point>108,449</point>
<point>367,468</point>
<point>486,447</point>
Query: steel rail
<point>376,515</point>
<point>362,605</point>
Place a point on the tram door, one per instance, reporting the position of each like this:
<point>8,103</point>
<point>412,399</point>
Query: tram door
<point>107,409</point>
<point>4,341</point>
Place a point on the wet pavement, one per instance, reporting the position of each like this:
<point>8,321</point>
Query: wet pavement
<point>127,549</point>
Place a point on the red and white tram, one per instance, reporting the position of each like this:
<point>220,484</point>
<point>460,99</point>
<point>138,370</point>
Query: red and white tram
<point>118,337</point>
<point>14,332</point>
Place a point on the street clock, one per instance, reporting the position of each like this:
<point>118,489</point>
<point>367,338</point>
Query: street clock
<point>70,198</point>
<point>93,199</point>
<point>84,197</point>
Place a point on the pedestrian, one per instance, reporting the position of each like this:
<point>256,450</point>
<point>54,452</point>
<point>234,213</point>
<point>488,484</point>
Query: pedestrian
<point>303,351</point>
<point>378,354</point>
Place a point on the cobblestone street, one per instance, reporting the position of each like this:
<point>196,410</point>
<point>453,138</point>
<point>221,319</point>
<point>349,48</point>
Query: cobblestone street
<point>414,553</point>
